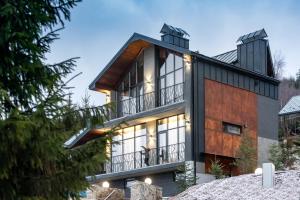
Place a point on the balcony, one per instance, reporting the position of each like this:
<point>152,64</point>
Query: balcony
<point>142,159</point>
<point>148,101</point>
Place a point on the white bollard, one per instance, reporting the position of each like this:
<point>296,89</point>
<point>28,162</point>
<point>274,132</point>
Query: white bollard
<point>268,175</point>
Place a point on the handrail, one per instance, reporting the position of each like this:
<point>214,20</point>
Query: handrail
<point>148,101</point>
<point>140,159</point>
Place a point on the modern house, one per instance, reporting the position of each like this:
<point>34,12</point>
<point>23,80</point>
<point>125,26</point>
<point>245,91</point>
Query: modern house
<point>183,108</point>
<point>289,118</point>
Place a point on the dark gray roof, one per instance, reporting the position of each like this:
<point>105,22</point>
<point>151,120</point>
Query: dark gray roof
<point>168,29</point>
<point>292,106</point>
<point>75,138</point>
<point>217,58</point>
<point>228,57</point>
<point>260,34</point>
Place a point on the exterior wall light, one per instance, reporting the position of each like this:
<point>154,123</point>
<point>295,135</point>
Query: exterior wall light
<point>105,184</point>
<point>107,98</point>
<point>148,180</point>
<point>258,171</point>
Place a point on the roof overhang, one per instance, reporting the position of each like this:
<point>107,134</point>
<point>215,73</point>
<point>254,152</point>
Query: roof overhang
<point>83,137</point>
<point>121,62</point>
<point>101,130</point>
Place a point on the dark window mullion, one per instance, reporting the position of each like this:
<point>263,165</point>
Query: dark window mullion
<point>134,147</point>
<point>122,141</point>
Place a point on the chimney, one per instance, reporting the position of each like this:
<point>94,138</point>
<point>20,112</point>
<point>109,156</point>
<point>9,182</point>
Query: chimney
<point>174,36</point>
<point>253,52</point>
<point>268,175</point>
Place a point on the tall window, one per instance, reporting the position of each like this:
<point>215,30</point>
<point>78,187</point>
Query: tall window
<point>127,148</point>
<point>131,89</point>
<point>171,77</point>
<point>171,138</point>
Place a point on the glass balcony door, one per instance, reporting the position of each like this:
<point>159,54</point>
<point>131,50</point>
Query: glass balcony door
<point>171,138</point>
<point>128,149</point>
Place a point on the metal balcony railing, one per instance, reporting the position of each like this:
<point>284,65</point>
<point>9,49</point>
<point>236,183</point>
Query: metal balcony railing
<point>148,101</point>
<point>137,104</point>
<point>171,94</point>
<point>141,159</point>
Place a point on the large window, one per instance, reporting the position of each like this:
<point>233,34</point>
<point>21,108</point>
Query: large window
<point>131,89</point>
<point>171,138</point>
<point>171,77</point>
<point>127,148</point>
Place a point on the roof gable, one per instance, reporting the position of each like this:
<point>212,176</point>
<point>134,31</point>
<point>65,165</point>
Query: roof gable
<point>292,106</point>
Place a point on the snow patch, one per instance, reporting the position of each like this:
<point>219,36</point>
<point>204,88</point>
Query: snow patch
<point>249,187</point>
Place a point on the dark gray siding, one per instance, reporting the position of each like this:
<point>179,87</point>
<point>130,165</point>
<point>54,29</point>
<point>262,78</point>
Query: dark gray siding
<point>198,108</point>
<point>267,110</point>
<point>253,55</point>
<point>240,80</point>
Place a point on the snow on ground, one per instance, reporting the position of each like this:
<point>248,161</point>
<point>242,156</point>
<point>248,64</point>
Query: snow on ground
<point>249,187</point>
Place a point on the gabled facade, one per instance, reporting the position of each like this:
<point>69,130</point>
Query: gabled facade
<point>182,108</point>
<point>289,119</point>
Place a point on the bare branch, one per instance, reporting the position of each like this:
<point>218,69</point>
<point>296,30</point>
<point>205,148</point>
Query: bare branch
<point>279,64</point>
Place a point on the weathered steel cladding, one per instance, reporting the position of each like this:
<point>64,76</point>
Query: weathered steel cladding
<point>240,80</point>
<point>224,103</point>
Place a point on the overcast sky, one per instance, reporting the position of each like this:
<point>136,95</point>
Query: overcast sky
<point>99,28</point>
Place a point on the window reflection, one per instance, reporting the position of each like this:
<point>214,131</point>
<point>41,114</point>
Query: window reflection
<point>129,140</point>
<point>131,89</point>
<point>171,138</point>
<point>171,77</point>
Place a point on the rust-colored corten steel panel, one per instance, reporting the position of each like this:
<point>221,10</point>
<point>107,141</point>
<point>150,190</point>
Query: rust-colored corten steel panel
<point>224,103</point>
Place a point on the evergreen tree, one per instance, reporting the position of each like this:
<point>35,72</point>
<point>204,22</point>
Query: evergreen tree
<point>284,154</point>
<point>216,169</point>
<point>246,154</point>
<point>36,115</point>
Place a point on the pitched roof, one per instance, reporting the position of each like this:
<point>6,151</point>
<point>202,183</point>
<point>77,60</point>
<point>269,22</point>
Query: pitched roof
<point>292,106</point>
<point>228,57</point>
<point>168,29</point>
<point>110,75</point>
<point>260,34</point>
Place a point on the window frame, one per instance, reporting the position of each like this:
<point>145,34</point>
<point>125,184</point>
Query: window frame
<point>135,88</point>
<point>134,138</point>
<point>170,73</point>
<point>178,126</point>
<point>225,130</point>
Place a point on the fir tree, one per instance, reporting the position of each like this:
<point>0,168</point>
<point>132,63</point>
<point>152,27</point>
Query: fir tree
<point>246,154</point>
<point>284,154</point>
<point>36,115</point>
<point>216,169</point>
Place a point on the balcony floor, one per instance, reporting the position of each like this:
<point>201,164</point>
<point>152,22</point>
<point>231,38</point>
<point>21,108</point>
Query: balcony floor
<point>149,115</point>
<point>155,169</point>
